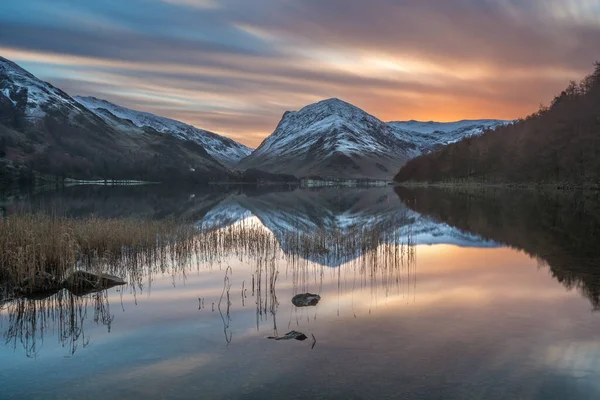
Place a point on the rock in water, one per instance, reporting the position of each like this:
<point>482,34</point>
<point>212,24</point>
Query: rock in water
<point>306,300</point>
<point>289,336</point>
<point>81,283</point>
<point>39,286</point>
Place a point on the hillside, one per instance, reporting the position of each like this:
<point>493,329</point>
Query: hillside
<point>430,136</point>
<point>558,144</point>
<point>43,129</point>
<point>223,149</point>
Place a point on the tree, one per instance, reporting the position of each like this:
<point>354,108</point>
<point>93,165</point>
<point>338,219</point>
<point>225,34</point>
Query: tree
<point>3,147</point>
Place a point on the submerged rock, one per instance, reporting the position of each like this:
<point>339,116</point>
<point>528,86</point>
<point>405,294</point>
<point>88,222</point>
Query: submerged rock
<point>289,336</point>
<point>81,283</point>
<point>39,286</point>
<point>295,335</point>
<point>306,300</point>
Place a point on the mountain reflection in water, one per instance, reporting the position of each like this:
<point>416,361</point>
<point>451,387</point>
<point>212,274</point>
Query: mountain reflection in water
<point>413,283</point>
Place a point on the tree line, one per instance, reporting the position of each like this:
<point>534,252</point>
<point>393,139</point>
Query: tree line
<point>559,143</point>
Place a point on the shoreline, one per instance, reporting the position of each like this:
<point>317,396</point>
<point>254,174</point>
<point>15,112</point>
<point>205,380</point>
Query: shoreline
<point>530,186</point>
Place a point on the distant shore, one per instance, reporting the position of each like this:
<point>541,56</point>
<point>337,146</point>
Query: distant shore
<point>481,185</point>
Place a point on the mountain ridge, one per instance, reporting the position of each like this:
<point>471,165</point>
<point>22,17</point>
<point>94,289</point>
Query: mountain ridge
<point>336,139</point>
<point>45,130</point>
<point>330,139</point>
<point>222,148</point>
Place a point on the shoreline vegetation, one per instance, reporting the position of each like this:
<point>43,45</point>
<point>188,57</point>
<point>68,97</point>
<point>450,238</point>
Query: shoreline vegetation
<point>132,253</point>
<point>35,247</point>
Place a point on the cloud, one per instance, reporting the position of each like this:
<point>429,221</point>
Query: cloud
<point>234,66</point>
<point>202,4</point>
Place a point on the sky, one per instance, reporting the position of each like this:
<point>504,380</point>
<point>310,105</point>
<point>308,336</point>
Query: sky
<point>235,66</point>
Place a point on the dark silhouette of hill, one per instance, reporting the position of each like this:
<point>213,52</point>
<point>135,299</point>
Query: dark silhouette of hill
<point>562,229</point>
<point>557,144</point>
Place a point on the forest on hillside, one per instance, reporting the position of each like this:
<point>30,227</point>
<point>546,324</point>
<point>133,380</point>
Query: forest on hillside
<point>558,144</point>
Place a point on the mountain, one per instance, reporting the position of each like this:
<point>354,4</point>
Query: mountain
<point>331,139</point>
<point>223,149</point>
<point>334,139</point>
<point>559,144</point>
<point>45,130</point>
<point>429,136</point>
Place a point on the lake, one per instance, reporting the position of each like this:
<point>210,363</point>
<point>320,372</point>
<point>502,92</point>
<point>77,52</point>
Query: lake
<point>423,294</point>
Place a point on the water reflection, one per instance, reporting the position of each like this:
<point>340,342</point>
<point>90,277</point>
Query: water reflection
<point>144,201</point>
<point>560,229</point>
<point>416,289</point>
<point>335,221</point>
<point>62,315</point>
<point>369,236</point>
<point>380,261</point>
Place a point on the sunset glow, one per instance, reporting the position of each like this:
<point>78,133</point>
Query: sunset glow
<point>235,66</point>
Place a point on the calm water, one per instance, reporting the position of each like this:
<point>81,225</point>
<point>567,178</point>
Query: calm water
<point>485,295</point>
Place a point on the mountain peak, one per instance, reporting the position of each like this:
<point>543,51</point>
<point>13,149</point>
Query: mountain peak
<point>331,138</point>
<point>334,100</point>
<point>332,106</point>
<point>329,111</point>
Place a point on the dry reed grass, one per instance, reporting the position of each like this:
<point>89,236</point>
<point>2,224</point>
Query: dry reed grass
<point>138,250</point>
<point>30,243</point>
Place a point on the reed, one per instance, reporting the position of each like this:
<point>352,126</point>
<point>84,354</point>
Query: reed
<point>30,243</point>
<point>375,258</point>
<point>138,250</point>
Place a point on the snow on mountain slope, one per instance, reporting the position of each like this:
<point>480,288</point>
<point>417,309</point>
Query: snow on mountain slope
<point>221,148</point>
<point>224,214</point>
<point>433,127</point>
<point>430,135</point>
<point>53,134</point>
<point>32,97</point>
<point>334,139</point>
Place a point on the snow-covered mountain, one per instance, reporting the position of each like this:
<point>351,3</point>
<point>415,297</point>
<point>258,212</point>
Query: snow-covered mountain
<point>225,150</point>
<point>86,136</point>
<point>25,98</point>
<point>430,135</point>
<point>50,132</point>
<point>332,139</point>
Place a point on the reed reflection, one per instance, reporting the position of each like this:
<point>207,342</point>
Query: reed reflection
<point>62,315</point>
<point>379,261</point>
